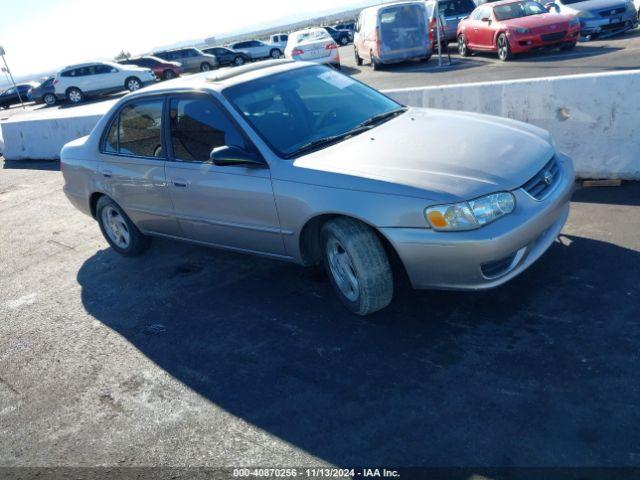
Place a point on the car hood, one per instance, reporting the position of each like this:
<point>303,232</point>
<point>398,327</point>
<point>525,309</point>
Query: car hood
<point>595,5</point>
<point>536,21</point>
<point>442,155</point>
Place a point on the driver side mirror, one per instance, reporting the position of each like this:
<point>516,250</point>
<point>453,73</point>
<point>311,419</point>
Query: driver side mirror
<point>227,156</point>
<point>552,6</point>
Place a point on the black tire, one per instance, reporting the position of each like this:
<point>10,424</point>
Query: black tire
<point>275,53</point>
<point>427,58</point>
<point>205,67</point>
<point>137,242</point>
<point>238,61</point>
<point>49,99</point>
<point>75,95</point>
<point>133,84</point>
<point>504,50</point>
<point>358,59</point>
<point>568,46</point>
<point>344,41</point>
<point>337,66</point>
<point>169,74</point>
<point>374,65</point>
<point>463,48</point>
<point>352,247</point>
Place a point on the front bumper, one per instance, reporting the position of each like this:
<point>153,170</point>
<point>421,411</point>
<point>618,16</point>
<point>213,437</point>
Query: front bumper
<point>461,260</point>
<point>606,27</point>
<point>526,42</point>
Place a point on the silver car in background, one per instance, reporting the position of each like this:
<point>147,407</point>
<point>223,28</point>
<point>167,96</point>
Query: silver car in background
<point>599,18</point>
<point>298,162</point>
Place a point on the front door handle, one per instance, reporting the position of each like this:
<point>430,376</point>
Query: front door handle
<point>107,173</point>
<point>179,182</point>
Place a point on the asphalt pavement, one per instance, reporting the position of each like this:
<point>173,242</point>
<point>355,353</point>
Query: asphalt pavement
<point>189,356</point>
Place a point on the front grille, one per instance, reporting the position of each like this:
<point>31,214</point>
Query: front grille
<point>544,181</point>
<point>613,26</point>
<point>497,267</point>
<point>612,12</point>
<point>553,37</point>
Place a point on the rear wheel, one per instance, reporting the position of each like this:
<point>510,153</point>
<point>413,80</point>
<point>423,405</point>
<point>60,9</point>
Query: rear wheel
<point>238,61</point>
<point>205,67</point>
<point>463,49</point>
<point>168,74</point>
<point>344,41</point>
<point>504,50</point>
<point>357,265</point>
<point>75,95</point>
<point>123,236</point>
<point>568,46</point>
<point>49,99</point>
<point>275,53</point>
<point>374,64</point>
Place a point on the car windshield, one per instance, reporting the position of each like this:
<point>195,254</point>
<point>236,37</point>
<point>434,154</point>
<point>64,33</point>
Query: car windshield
<point>455,7</point>
<point>297,110</point>
<point>569,2</point>
<point>518,10</point>
<point>316,34</point>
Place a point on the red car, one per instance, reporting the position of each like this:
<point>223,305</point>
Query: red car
<point>515,26</point>
<point>163,69</point>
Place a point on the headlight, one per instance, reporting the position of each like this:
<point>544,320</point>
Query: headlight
<point>521,30</point>
<point>471,215</point>
<point>585,14</point>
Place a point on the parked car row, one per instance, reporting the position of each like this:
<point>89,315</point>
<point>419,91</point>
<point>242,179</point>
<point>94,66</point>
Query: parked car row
<point>391,33</point>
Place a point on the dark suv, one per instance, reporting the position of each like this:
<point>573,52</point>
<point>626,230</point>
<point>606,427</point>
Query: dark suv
<point>10,95</point>
<point>341,37</point>
<point>226,56</point>
<point>191,59</point>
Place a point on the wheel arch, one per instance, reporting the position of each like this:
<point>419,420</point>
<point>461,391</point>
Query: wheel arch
<point>93,202</point>
<point>309,240</point>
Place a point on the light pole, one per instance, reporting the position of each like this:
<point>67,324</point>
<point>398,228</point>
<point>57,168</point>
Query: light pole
<point>11,76</point>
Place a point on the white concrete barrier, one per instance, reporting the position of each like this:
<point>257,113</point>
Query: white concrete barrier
<point>41,134</point>
<point>594,118</point>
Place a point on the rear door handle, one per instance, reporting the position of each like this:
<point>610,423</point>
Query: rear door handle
<point>179,182</point>
<point>106,173</point>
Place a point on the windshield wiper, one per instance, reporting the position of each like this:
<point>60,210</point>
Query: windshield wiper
<point>361,127</point>
<point>381,117</point>
<point>323,142</point>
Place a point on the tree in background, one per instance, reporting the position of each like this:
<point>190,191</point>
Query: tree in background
<point>122,56</point>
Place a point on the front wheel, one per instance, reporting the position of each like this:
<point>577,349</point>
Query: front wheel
<point>504,50</point>
<point>463,48</point>
<point>357,265</point>
<point>123,236</point>
<point>75,95</point>
<point>358,59</point>
<point>205,67</point>
<point>49,99</point>
<point>238,61</point>
<point>132,84</point>
<point>169,74</point>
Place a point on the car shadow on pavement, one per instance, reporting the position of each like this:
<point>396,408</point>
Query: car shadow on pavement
<point>540,371</point>
<point>628,194</point>
<point>50,165</point>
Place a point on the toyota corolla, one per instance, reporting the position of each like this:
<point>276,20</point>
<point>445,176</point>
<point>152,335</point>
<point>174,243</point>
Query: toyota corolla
<point>298,162</point>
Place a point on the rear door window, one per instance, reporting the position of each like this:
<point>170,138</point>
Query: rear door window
<point>137,130</point>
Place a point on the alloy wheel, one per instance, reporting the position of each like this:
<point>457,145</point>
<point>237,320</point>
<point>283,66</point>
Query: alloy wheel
<point>116,227</point>
<point>133,85</point>
<point>342,270</point>
<point>49,99</point>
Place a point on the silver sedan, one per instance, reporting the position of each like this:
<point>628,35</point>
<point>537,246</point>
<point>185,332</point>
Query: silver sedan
<point>298,162</point>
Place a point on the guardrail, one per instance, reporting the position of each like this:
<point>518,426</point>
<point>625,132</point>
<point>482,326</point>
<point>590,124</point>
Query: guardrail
<point>594,118</point>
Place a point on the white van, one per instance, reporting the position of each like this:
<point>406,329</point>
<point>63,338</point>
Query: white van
<point>392,33</point>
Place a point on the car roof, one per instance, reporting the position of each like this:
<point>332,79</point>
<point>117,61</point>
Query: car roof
<point>224,77</point>
<point>88,64</point>
<point>377,8</point>
<point>501,2</point>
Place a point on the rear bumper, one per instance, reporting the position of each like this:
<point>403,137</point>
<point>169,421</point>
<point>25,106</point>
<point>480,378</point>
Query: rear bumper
<point>387,57</point>
<point>462,260</point>
<point>524,43</point>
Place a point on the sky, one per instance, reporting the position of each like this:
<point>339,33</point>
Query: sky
<point>44,35</point>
